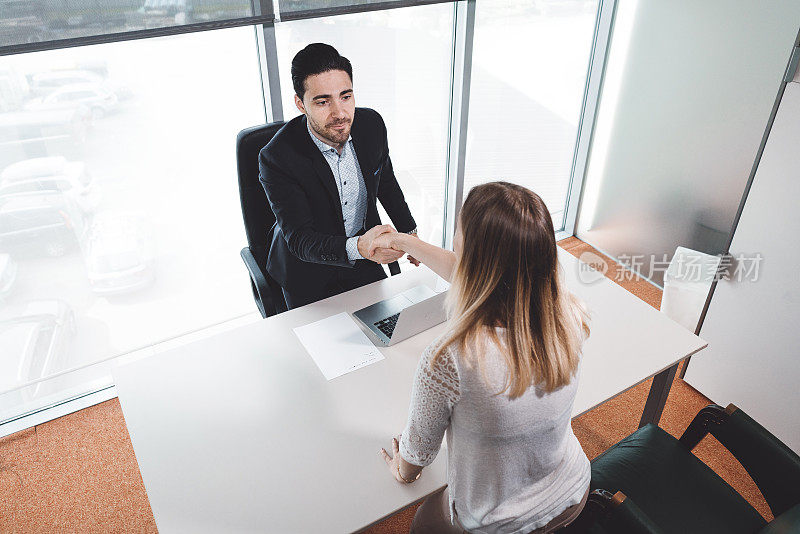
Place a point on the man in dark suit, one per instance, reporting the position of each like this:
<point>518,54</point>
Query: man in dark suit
<point>322,173</point>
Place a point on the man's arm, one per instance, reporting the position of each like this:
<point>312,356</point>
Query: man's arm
<point>293,213</point>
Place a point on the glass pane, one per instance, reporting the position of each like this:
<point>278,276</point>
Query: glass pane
<point>529,69</point>
<point>310,8</point>
<point>679,126</point>
<point>143,244</point>
<point>401,68</point>
<point>24,21</point>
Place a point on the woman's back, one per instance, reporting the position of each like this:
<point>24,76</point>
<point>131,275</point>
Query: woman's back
<point>529,462</point>
<point>513,465</point>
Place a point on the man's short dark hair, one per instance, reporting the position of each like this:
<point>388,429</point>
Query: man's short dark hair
<point>316,58</point>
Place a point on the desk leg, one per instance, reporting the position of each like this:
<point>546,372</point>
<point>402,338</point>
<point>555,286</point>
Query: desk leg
<point>657,397</point>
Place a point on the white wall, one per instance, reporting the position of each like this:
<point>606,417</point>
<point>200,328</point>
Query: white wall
<point>753,357</point>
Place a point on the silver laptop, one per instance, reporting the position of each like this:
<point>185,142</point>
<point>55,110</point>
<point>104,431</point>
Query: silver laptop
<point>409,313</point>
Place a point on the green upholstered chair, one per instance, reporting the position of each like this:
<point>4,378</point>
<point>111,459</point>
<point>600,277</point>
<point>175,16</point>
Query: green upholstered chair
<point>651,482</point>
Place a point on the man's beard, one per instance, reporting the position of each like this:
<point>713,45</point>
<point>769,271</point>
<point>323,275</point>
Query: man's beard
<point>327,132</point>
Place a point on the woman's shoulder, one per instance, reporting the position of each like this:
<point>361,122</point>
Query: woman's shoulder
<point>462,359</point>
<point>449,349</point>
<point>439,349</point>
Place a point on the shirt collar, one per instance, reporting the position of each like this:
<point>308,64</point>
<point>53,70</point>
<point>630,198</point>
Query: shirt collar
<point>321,145</point>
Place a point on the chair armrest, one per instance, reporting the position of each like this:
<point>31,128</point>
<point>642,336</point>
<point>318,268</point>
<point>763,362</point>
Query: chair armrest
<point>614,513</point>
<point>774,467</point>
<point>262,292</point>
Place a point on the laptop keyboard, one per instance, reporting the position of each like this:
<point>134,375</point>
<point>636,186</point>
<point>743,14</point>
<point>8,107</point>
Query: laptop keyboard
<point>387,325</point>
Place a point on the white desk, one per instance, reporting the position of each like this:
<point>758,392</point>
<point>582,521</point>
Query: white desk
<point>240,432</point>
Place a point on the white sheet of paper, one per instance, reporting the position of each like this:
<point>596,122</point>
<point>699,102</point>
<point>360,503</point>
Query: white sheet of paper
<point>337,345</point>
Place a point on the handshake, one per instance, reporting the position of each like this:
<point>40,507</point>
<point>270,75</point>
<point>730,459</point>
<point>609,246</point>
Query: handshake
<point>381,244</point>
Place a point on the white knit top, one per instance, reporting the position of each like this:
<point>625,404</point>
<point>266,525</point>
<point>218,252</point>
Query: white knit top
<point>512,465</point>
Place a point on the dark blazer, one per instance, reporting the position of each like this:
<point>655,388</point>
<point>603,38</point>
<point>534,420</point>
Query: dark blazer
<point>308,242</point>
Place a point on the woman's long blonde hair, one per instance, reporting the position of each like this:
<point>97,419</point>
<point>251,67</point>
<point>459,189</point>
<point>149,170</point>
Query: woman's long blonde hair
<point>508,275</point>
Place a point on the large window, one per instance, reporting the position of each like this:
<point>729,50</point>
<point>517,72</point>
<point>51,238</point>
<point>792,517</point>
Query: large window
<point>120,223</point>
<point>529,70</point>
<point>401,68</point>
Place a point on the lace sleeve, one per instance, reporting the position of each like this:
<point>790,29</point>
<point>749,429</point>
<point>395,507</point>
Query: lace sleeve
<point>433,395</point>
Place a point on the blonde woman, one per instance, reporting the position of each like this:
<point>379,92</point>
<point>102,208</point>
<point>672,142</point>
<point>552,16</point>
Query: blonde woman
<point>502,379</point>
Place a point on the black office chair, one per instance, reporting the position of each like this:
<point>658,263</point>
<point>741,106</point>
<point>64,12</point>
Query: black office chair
<point>259,220</point>
<point>651,483</point>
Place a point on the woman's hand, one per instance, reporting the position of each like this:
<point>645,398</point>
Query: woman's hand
<point>437,259</point>
<point>386,240</point>
<point>394,462</point>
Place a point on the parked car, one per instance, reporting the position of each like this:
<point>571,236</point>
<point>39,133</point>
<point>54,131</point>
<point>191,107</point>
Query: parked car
<point>120,254</point>
<point>44,83</point>
<point>44,167</point>
<point>41,222</point>
<point>53,175</point>
<point>47,131</point>
<point>99,100</point>
<point>34,338</point>
<point>47,82</point>
<point>8,274</point>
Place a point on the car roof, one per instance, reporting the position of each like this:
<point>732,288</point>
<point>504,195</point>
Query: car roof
<point>34,168</point>
<point>78,87</point>
<point>109,245</point>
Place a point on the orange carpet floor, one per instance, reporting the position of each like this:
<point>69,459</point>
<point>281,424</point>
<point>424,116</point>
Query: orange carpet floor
<point>78,473</point>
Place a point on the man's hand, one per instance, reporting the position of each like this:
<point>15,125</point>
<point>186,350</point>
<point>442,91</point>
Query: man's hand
<point>385,241</point>
<point>377,254</point>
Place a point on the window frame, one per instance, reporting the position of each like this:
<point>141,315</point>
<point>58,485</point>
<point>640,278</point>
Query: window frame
<point>460,81</point>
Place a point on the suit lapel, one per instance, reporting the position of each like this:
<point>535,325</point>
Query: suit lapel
<point>321,168</point>
<point>366,155</point>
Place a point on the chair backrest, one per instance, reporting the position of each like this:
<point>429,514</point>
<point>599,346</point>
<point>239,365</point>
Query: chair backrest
<point>256,212</point>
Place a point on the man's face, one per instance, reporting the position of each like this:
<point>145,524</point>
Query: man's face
<point>329,105</point>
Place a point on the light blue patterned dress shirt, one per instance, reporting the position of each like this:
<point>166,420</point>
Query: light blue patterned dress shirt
<point>352,191</point>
